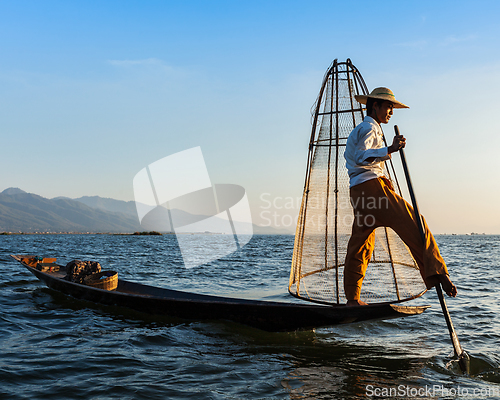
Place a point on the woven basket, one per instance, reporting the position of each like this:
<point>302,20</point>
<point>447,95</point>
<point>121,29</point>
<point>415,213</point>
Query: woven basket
<point>107,280</point>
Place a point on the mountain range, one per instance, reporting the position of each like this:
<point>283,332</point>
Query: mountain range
<point>28,212</point>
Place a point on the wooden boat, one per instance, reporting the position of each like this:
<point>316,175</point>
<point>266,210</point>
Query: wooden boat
<point>265,315</point>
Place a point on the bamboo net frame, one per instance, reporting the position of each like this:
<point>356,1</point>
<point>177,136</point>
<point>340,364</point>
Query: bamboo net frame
<point>325,219</point>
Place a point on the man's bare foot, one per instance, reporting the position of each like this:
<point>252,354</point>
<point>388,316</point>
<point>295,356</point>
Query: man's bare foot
<point>356,303</point>
<point>448,287</point>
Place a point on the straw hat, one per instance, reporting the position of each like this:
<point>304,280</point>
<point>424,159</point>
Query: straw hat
<point>382,93</point>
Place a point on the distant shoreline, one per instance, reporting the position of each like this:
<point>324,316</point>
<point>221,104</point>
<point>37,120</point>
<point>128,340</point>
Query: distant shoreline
<point>199,233</point>
<point>89,233</point>
<point>135,233</point>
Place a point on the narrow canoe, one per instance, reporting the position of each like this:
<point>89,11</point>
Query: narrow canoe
<point>266,315</point>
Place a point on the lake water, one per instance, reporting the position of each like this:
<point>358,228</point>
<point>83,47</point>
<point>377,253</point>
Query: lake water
<point>57,347</point>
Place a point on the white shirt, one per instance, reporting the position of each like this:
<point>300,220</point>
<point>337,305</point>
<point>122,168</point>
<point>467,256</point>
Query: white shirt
<point>365,141</point>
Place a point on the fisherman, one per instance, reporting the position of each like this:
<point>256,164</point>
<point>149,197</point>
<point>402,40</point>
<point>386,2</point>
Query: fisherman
<point>365,155</point>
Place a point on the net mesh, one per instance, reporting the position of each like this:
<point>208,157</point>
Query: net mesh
<point>326,215</point>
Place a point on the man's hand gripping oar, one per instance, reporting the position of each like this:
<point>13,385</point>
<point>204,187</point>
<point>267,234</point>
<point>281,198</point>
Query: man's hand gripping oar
<point>463,357</point>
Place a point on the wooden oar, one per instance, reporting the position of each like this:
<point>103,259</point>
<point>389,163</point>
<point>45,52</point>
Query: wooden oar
<point>463,357</point>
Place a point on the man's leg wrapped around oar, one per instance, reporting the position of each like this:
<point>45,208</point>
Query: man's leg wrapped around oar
<point>392,211</point>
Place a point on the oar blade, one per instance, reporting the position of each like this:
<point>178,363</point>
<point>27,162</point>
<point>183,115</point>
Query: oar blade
<point>464,362</point>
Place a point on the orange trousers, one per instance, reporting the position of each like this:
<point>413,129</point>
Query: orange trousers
<point>394,212</point>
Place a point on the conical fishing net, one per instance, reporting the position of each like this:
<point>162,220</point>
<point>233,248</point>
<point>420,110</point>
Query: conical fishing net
<point>326,215</point>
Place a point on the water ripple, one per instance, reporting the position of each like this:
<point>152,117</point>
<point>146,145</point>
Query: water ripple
<point>53,346</point>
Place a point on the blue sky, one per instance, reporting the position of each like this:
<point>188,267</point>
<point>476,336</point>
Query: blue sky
<point>93,91</point>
